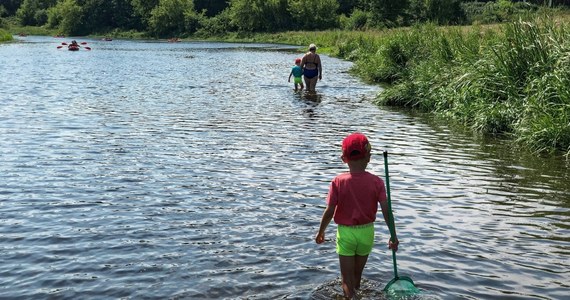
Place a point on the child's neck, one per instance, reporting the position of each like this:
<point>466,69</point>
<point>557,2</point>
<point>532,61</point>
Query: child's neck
<point>357,166</point>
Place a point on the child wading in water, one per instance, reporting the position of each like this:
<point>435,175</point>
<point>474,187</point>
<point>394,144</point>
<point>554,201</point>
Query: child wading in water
<point>297,73</point>
<point>353,203</point>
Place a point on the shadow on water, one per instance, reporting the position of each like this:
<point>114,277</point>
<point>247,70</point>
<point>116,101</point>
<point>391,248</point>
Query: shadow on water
<point>311,100</point>
<point>311,97</point>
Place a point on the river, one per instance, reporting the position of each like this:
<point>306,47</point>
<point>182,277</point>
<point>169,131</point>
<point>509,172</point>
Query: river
<point>155,170</point>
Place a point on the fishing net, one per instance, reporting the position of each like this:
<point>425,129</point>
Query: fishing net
<point>401,287</point>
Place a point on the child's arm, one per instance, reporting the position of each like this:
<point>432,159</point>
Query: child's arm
<point>325,220</point>
<point>290,74</point>
<point>392,244</point>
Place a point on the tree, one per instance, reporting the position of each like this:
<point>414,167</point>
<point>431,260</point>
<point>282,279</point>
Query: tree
<point>67,15</point>
<point>259,15</point>
<point>123,15</point>
<point>98,14</point>
<point>345,7</point>
<point>212,7</point>
<point>143,9</point>
<point>314,14</point>
<point>170,16</point>
<point>11,6</point>
<point>389,12</point>
<point>444,12</point>
<point>34,12</point>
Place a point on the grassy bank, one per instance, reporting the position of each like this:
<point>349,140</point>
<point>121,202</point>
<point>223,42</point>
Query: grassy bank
<point>5,36</point>
<point>511,79</point>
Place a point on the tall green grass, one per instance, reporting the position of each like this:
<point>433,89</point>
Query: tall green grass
<point>513,79</point>
<point>5,36</point>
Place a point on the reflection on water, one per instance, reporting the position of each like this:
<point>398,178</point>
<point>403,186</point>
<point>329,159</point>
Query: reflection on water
<point>161,170</point>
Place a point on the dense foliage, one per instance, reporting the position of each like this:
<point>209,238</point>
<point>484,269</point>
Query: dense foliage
<point>513,80</point>
<point>184,18</point>
<point>5,36</point>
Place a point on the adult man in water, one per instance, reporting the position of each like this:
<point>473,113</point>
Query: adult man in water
<point>312,69</point>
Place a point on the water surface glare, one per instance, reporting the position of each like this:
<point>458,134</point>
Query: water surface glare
<point>193,171</point>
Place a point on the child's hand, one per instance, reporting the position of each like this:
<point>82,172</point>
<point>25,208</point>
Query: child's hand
<point>289,80</point>
<point>393,244</point>
<point>320,238</point>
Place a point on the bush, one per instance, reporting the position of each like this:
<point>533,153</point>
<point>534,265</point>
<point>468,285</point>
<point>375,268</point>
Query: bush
<point>216,26</point>
<point>5,36</point>
<point>193,21</point>
<point>34,12</point>
<point>68,17</point>
<point>444,12</point>
<point>170,17</point>
<point>263,15</point>
<point>3,12</point>
<point>515,80</point>
<point>314,14</point>
<point>495,12</point>
<point>358,20</point>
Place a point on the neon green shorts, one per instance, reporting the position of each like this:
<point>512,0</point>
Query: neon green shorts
<point>298,80</point>
<point>355,240</point>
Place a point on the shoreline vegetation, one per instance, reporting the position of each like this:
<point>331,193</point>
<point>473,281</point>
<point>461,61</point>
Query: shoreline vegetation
<point>5,36</point>
<point>508,79</point>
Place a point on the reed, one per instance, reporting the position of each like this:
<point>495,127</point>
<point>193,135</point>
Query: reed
<point>512,79</point>
<point>509,79</point>
<point>5,36</point>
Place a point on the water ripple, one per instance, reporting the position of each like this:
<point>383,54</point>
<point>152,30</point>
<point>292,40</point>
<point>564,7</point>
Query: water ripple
<point>158,170</point>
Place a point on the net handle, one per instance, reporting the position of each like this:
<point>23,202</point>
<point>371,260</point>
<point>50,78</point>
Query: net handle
<point>391,222</point>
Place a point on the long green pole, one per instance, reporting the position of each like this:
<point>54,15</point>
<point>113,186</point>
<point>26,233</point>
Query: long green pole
<point>391,223</point>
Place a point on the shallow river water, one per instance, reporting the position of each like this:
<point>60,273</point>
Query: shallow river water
<point>154,170</point>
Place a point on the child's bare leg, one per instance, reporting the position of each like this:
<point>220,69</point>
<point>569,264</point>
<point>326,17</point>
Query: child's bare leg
<point>347,271</point>
<point>360,262</point>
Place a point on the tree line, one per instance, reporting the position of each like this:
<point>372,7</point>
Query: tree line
<point>182,18</point>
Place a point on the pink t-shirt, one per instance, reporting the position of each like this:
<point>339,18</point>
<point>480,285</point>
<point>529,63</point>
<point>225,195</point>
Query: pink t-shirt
<point>356,196</point>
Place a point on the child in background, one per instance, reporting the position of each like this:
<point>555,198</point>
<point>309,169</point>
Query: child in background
<point>353,203</point>
<point>297,73</point>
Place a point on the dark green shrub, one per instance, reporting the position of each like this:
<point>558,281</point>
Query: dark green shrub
<point>358,20</point>
<point>218,25</point>
<point>314,14</point>
<point>5,36</point>
<point>67,16</point>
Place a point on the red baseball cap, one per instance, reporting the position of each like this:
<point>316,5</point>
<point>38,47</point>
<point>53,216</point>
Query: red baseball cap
<point>297,60</point>
<point>355,146</point>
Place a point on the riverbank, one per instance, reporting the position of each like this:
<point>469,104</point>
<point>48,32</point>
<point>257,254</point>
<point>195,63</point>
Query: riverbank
<point>510,79</point>
<point>5,36</point>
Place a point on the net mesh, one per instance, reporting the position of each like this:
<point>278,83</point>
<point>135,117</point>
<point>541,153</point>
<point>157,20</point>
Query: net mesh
<point>402,288</point>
